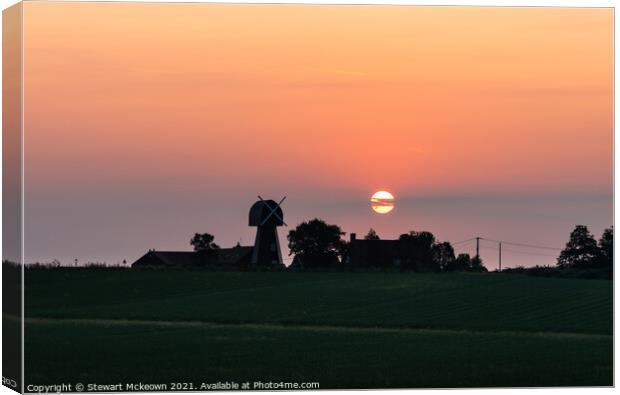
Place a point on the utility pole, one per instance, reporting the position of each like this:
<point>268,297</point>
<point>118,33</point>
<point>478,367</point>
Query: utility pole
<point>500,256</point>
<point>478,247</point>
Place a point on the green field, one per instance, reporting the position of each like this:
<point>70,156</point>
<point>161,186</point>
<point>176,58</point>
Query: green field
<point>343,330</point>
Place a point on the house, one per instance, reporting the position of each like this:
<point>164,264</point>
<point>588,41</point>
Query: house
<point>238,256</point>
<point>372,253</point>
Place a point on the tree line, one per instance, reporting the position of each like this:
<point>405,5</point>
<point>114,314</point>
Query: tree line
<point>316,244</point>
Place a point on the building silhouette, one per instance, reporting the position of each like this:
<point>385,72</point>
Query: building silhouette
<point>265,215</point>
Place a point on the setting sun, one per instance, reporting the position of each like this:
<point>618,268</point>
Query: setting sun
<point>382,202</point>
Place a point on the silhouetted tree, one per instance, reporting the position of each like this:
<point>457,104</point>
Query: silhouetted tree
<point>203,242</point>
<point>443,255</point>
<point>581,249</point>
<point>606,248</point>
<point>475,265</point>
<point>415,250</point>
<point>465,263</point>
<point>342,249</point>
<point>316,243</point>
<point>372,235</point>
<point>460,264</point>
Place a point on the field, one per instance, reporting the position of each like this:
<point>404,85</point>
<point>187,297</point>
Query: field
<point>343,330</point>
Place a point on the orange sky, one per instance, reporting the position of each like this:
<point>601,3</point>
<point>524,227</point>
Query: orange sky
<point>328,102</point>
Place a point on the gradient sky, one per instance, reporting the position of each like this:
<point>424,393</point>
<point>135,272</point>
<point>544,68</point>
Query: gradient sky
<point>146,123</point>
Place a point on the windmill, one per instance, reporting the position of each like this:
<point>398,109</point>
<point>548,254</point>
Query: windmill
<point>266,215</point>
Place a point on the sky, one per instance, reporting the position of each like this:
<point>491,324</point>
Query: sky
<point>146,123</point>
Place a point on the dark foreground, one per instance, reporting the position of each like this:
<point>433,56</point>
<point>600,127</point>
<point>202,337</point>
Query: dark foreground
<point>342,330</point>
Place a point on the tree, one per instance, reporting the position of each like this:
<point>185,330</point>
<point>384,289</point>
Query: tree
<point>343,249</point>
<point>465,263</point>
<point>372,235</point>
<point>415,250</point>
<point>606,248</point>
<point>443,255</point>
<point>461,263</point>
<point>581,249</point>
<point>475,265</point>
<point>203,242</point>
<point>316,243</point>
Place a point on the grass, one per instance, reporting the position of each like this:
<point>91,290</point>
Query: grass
<point>344,330</point>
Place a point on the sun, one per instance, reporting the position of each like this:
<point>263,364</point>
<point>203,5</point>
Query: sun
<point>382,202</point>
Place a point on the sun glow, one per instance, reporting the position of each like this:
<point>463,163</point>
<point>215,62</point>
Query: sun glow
<point>382,202</point>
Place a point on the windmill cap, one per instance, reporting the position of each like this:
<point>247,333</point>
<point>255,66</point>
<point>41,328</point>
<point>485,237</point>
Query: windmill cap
<point>266,213</point>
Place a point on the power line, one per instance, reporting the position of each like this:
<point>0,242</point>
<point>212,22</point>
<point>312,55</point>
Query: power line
<point>522,244</point>
<point>501,244</point>
<point>529,253</point>
<point>463,241</point>
<point>509,243</point>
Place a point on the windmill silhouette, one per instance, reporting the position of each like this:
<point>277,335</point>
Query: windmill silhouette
<point>266,215</point>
